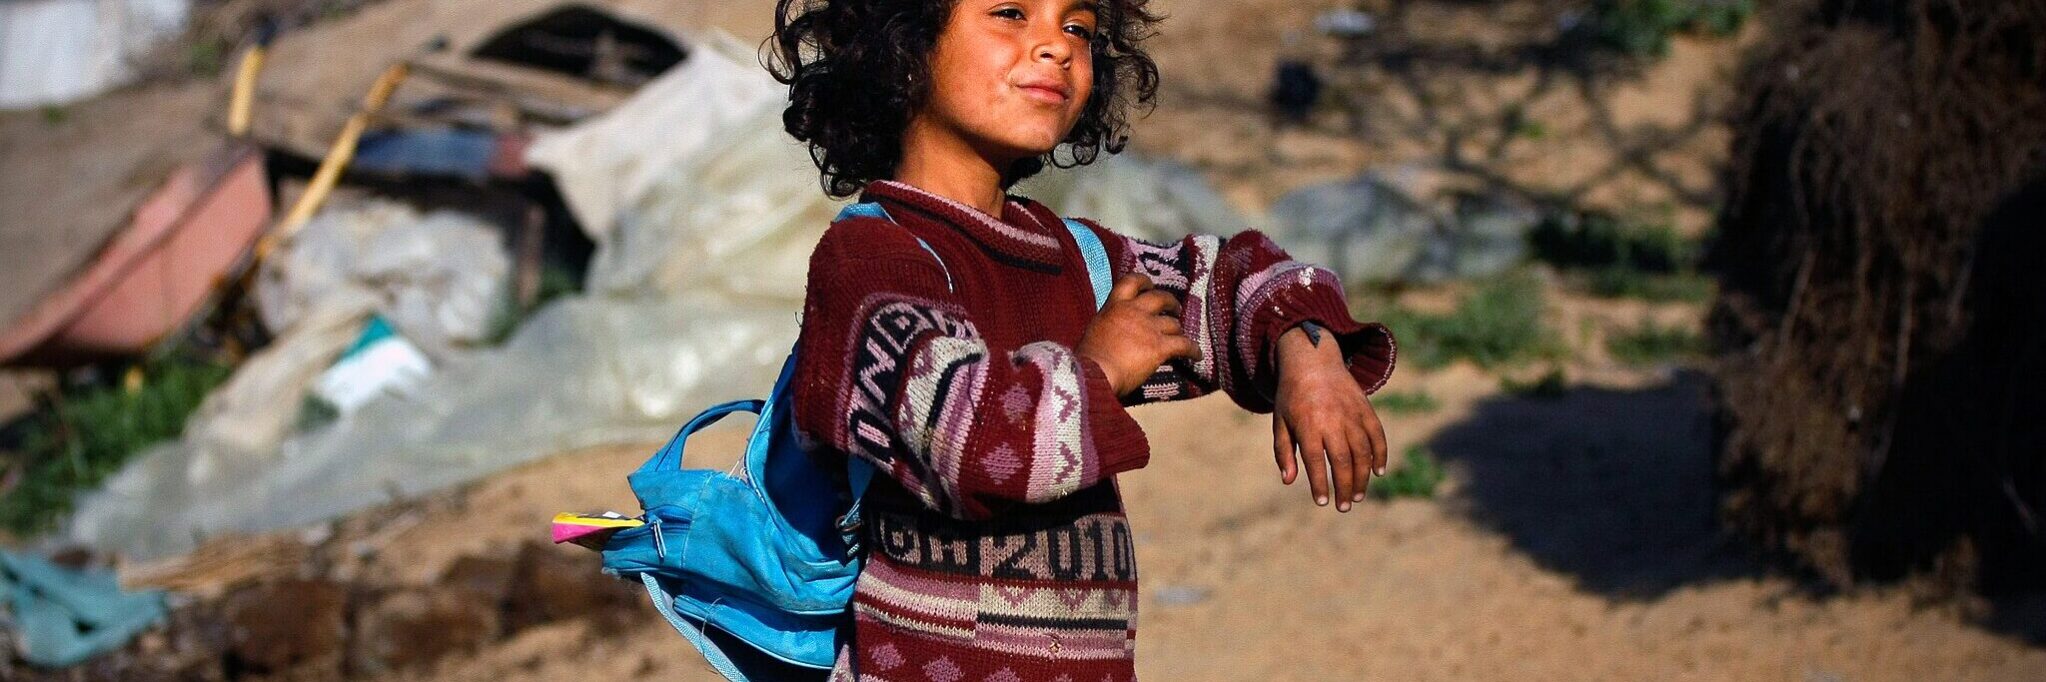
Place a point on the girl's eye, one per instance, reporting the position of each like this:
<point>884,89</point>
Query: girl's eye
<point>1081,31</point>
<point>1009,13</point>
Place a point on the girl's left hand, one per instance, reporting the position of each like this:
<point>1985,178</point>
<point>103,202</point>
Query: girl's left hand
<point>1321,409</point>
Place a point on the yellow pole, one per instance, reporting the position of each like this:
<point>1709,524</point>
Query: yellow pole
<point>244,97</point>
<point>337,160</point>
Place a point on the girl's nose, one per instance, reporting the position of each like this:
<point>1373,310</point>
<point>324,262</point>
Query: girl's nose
<point>1056,51</point>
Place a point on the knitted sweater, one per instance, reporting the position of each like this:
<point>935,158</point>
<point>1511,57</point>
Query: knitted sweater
<point>997,548</point>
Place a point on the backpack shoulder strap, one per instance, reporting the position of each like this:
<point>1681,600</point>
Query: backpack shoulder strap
<point>1096,256</point>
<point>859,473</point>
<point>873,210</point>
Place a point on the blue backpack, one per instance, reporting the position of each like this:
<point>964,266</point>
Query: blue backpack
<point>767,560</point>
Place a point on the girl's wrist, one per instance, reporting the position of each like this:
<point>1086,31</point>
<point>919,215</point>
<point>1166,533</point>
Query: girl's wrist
<point>1303,346</point>
<point>1106,373</point>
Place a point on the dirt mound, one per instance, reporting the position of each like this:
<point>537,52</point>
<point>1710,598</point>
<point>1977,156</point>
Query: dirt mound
<point>1880,350</point>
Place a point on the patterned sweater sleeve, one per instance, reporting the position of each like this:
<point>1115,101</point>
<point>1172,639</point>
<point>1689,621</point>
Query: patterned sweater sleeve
<point>1237,296</point>
<point>894,370</point>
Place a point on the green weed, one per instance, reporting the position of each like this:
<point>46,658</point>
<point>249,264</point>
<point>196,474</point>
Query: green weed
<point>1680,287</point>
<point>1412,402</point>
<point>1651,343</point>
<point>1616,258</point>
<point>1643,28</point>
<point>1595,241</point>
<point>1416,476</point>
<point>1520,125</point>
<point>1499,324</point>
<point>75,441</point>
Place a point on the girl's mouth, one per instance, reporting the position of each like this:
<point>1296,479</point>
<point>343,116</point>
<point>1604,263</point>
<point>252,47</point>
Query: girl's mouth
<point>1046,92</point>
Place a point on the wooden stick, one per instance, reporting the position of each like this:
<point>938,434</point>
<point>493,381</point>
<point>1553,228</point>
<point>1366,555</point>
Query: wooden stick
<point>244,98</point>
<point>338,158</point>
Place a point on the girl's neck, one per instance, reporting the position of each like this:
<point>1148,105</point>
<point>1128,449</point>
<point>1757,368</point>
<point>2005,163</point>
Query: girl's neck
<point>950,167</point>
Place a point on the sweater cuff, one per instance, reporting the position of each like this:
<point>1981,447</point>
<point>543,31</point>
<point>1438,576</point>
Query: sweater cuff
<point>1369,350</point>
<point>1119,443</point>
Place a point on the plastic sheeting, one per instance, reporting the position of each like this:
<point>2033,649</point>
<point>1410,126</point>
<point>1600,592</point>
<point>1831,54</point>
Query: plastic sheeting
<point>58,51</point>
<point>62,617</point>
<point>738,223</point>
<point>603,164</point>
<point>440,279</point>
<point>582,372</point>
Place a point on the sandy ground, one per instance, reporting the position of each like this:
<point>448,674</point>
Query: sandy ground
<point>1573,541</point>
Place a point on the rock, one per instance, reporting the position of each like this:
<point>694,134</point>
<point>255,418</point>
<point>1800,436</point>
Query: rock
<point>286,625</point>
<point>1406,225</point>
<point>419,625</point>
<point>1364,229</point>
<point>488,578</point>
<point>551,583</point>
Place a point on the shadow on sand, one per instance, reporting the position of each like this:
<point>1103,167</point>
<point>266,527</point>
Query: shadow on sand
<point>1615,488</point>
<point>1612,487</point>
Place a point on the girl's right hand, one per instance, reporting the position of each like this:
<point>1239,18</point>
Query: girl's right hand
<point>1135,332</point>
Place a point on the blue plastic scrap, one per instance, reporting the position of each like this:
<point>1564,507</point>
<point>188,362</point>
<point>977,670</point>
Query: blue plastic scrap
<point>440,153</point>
<point>63,617</point>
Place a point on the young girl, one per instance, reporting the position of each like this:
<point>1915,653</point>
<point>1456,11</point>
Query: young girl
<point>951,338</point>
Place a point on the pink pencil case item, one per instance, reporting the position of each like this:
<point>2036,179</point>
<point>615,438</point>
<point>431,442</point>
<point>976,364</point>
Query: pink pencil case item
<point>590,530</point>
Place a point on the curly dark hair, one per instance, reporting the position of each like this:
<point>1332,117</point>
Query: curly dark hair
<point>857,69</point>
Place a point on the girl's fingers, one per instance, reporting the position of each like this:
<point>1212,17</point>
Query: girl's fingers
<point>1361,461</point>
<point>1282,449</point>
<point>1168,325</point>
<point>1342,464</point>
<point>1376,430</point>
<point>1313,458</point>
<point>1171,304</point>
<point>1181,347</point>
<point>1128,286</point>
<point>1158,302</point>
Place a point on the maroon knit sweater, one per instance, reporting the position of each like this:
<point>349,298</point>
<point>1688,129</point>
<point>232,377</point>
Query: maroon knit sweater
<point>997,545</point>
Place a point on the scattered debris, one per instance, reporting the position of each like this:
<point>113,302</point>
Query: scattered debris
<point>494,66</point>
<point>153,275</point>
<point>60,616</point>
<point>380,362</point>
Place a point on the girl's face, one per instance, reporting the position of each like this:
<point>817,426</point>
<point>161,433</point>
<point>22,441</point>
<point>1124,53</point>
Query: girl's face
<point>1010,79</point>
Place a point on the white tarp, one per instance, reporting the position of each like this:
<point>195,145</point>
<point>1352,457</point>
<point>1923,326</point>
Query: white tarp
<point>611,160</point>
<point>583,372</point>
<point>58,51</point>
<point>439,279</point>
<point>737,222</point>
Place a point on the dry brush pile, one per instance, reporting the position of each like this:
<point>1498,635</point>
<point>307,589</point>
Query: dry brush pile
<point>1882,326</point>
